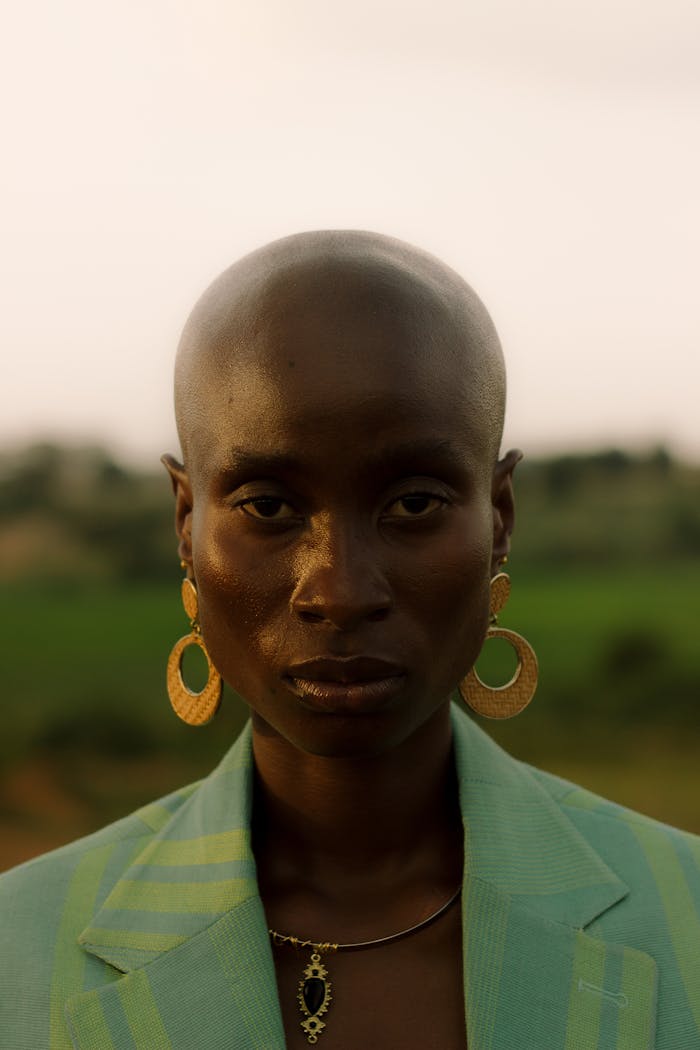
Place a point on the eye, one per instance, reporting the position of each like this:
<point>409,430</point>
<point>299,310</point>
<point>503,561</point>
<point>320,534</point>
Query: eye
<point>267,508</point>
<point>415,505</point>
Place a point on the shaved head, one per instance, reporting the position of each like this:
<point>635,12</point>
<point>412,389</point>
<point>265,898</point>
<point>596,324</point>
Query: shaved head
<point>335,294</point>
<point>340,402</point>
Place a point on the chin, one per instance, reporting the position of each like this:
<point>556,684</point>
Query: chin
<point>343,735</point>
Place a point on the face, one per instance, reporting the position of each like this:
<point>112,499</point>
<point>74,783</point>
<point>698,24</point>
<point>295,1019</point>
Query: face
<point>340,526</point>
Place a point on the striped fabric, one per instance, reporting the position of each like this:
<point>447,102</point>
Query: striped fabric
<point>581,923</point>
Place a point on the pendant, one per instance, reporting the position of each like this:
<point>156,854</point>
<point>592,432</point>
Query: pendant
<point>314,997</point>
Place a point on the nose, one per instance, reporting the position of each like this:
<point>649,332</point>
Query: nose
<point>340,581</point>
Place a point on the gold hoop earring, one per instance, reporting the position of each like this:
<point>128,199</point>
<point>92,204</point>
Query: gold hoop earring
<point>194,708</point>
<point>510,699</point>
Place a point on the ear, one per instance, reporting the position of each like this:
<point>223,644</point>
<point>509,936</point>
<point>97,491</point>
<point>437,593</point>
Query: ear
<point>183,508</point>
<point>503,504</point>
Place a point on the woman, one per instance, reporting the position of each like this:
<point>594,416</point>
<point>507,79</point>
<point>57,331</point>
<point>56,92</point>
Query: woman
<point>365,868</point>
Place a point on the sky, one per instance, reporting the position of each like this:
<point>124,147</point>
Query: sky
<point>549,150</point>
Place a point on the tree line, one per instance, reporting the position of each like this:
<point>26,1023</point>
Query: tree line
<point>80,514</point>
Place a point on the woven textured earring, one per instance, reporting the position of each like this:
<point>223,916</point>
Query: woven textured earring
<point>510,699</point>
<point>194,708</point>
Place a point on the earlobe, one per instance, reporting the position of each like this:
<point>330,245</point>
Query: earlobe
<point>182,490</point>
<point>503,505</point>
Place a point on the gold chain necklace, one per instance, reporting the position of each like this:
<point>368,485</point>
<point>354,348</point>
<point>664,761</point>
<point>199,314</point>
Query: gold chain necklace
<point>314,994</point>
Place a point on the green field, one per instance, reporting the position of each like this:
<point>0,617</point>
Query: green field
<point>88,732</point>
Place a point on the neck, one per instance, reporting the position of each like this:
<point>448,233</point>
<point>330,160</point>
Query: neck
<point>341,825</point>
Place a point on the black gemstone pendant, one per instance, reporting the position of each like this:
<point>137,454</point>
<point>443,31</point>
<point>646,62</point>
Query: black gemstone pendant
<point>314,993</point>
<point>314,997</point>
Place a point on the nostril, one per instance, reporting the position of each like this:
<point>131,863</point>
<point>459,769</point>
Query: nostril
<point>341,615</point>
<point>338,593</point>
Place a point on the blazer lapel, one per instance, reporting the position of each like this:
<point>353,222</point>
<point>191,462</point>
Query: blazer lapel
<point>216,990</point>
<point>185,928</point>
<point>533,977</point>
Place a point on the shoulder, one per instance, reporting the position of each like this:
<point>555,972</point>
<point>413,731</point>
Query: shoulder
<point>52,871</point>
<point>46,902</point>
<point>621,833</point>
<point>659,864</point>
<point>543,831</point>
<point>118,884</point>
<point>633,845</point>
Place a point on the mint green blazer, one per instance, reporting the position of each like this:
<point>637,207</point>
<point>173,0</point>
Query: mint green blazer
<point>581,923</point>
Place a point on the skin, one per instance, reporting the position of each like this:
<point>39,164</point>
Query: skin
<point>340,400</point>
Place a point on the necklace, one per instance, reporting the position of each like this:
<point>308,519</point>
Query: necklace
<point>314,994</point>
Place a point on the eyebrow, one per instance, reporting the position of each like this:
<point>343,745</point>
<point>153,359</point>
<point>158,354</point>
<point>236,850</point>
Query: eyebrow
<point>243,461</point>
<point>409,452</point>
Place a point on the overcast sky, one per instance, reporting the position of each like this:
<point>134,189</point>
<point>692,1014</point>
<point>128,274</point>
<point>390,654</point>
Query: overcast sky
<point>549,151</point>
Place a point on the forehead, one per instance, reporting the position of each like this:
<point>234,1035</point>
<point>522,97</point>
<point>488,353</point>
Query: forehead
<point>339,358</point>
<point>341,378</point>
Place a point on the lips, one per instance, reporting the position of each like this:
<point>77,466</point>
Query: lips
<point>345,669</point>
<point>344,684</point>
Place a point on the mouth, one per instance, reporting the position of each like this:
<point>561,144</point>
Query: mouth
<point>346,683</point>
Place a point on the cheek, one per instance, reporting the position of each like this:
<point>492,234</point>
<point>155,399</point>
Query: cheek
<point>453,568</point>
<point>239,594</point>
<point>453,590</point>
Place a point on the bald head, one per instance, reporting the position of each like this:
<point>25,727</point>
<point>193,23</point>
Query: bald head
<point>332,295</point>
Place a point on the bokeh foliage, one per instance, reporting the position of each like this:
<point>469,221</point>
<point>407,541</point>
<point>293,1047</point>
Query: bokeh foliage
<point>606,583</point>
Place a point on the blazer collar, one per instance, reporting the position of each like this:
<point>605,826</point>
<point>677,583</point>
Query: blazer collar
<point>187,910</point>
<point>518,839</point>
<point>197,867</point>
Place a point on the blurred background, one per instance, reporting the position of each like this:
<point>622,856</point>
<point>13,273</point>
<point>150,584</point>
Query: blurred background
<point>549,152</point>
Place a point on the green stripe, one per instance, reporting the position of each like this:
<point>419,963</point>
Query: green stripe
<point>155,815</point>
<point>207,849</point>
<point>680,908</point>
<point>635,1027</point>
<point>94,1033</point>
<point>487,923</point>
<point>580,798</point>
<point>225,869</point>
<point>585,1000</point>
<point>245,979</point>
<point>100,936</point>
<point>191,898</point>
<point>613,1002</point>
<point>145,1024</point>
<point>69,959</point>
